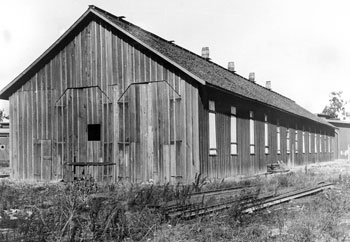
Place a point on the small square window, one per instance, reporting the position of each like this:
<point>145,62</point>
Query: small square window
<point>94,132</point>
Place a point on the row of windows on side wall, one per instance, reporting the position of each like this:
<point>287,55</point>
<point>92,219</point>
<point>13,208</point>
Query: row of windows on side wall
<point>233,135</point>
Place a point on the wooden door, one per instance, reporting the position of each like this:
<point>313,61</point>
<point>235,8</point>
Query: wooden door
<point>150,131</point>
<point>82,111</point>
<point>43,160</point>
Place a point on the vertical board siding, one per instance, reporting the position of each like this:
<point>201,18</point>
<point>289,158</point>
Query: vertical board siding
<point>245,164</point>
<point>149,125</point>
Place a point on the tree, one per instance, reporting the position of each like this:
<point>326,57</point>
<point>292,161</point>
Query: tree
<point>336,108</point>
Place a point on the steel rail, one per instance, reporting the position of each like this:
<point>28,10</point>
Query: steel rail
<point>247,204</point>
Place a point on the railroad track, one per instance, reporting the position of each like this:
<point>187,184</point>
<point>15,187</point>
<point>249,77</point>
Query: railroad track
<point>247,203</point>
<point>200,197</point>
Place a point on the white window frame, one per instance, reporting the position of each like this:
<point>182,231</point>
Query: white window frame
<point>233,146</point>
<point>251,133</point>
<point>288,140</point>
<point>266,134</point>
<point>310,143</point>
<point>303,140</point>
<point>212,129</point>
<point>296,142</point>
<point>321,143</point>
<point>278,130</point>
<point>315,143</point>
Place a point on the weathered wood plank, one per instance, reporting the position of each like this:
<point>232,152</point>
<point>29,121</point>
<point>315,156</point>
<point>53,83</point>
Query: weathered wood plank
<point>24,118</point>
<point>29,135</point>
<point>189,159</point>
<point>143,122</point>
<point>156,155</point>
<point>20,104</point>
<point>116,135</point>
<point>150,132</point>
<point>183,128</point>
<point>46,158</point>
<point>11,139</point>
<point>195,131</point>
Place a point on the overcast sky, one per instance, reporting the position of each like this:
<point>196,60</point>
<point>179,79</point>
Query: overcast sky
<point>302,47</point>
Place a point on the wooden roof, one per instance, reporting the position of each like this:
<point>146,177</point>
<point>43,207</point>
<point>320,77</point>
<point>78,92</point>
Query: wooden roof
<point>200,69</point>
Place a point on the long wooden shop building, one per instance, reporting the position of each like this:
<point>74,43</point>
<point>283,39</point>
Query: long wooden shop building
<point>111,100</point>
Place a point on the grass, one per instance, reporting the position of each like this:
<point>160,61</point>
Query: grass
<point>88,211</point>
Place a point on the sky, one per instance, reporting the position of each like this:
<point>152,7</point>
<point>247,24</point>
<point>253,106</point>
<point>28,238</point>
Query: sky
<point>302,47</point>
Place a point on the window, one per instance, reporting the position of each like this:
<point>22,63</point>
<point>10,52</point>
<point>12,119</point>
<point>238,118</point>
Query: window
<point>329,144</point>
<point>320,143</point>
<point>296,142</point>
<point>94,132</point>
<point>324,143</point>
<point>303,142</point>
<point>278,140</point>
<point>266,130</point>
<point>212,129</point>
<point>315,143</point>
<point>233,131</point>
<point>310,145</point>
<point>288,141</point>
<point>251,132</point>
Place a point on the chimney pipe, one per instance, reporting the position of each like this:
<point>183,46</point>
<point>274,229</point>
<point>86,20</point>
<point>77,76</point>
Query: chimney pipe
<point>231,66</point>
<point>205,53</point>
<point>252,76</point>
<point>268,85</point>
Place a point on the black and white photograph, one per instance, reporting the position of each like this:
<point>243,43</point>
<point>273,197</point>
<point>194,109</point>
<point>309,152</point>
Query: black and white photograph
<point>177,120</point>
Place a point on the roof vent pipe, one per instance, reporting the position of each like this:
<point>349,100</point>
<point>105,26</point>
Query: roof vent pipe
<point>268,85</point>
<point>252,76</point>
<point>231,66</point>
<point>205,53</point>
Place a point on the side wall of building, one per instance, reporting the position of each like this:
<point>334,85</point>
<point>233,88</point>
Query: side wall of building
<point>226,164</point>
<point>343,139</point>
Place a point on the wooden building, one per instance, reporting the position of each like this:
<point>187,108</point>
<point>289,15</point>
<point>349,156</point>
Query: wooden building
<point>342,141</point>
<point>114,101</point>
<point>4,144</point>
